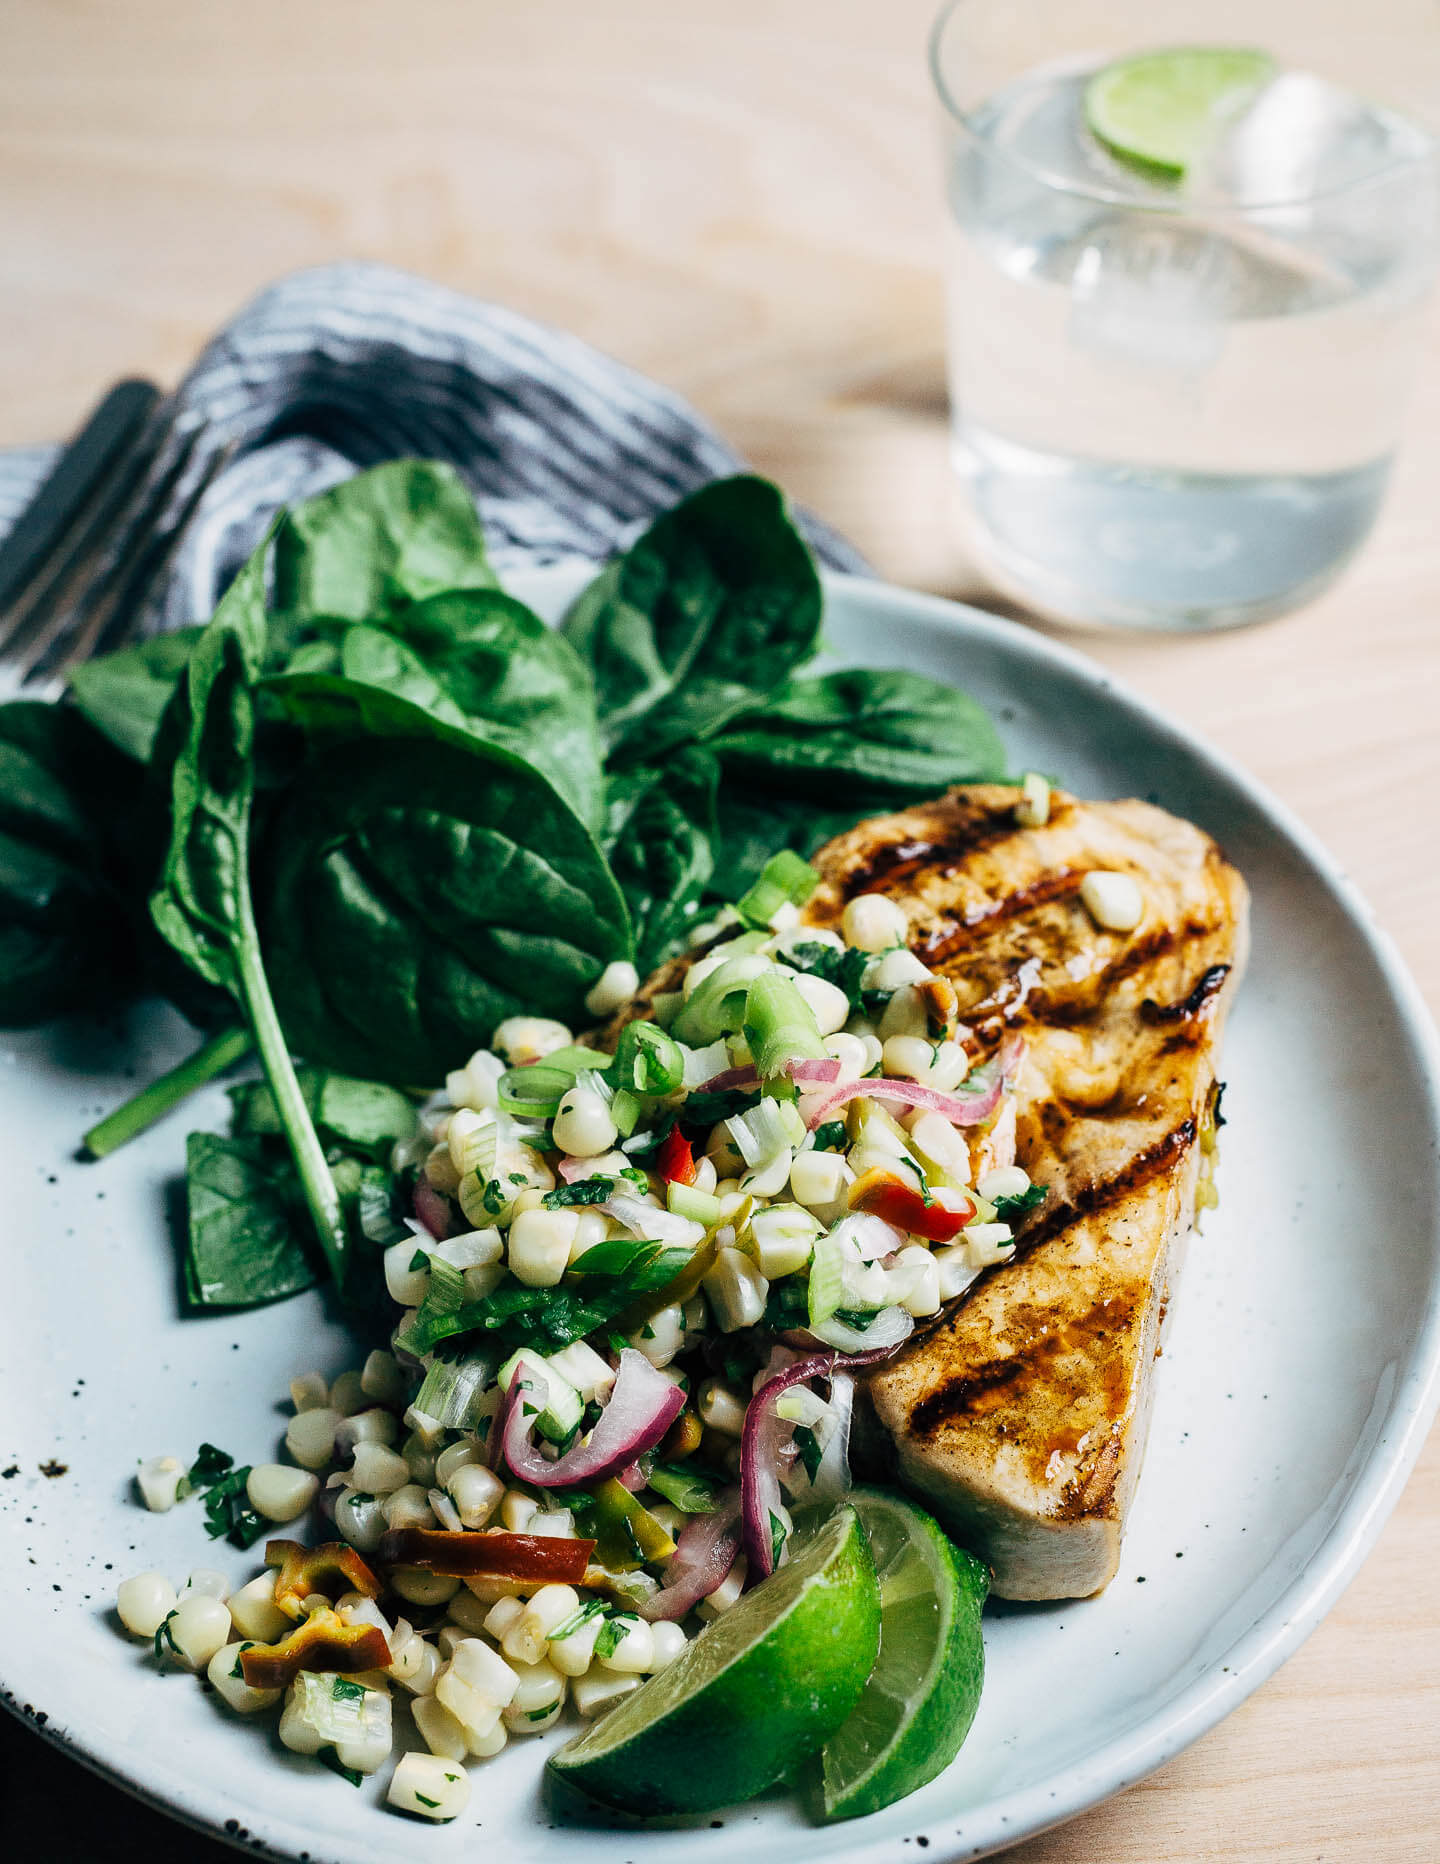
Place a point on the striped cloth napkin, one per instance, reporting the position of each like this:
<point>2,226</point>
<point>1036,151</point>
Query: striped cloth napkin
<point>337,368</point>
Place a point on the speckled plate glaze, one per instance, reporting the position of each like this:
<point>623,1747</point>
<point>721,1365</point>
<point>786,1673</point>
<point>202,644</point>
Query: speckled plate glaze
<point>1299,1379</point>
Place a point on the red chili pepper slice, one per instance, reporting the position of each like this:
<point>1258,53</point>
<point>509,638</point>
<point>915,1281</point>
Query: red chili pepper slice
<point>329,1570</point>
<point>469,1555</point>
<point>675,1161</point>
<point>323,1642</point>
<point>884,1195</point>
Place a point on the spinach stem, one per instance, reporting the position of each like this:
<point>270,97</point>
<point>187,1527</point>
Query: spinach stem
<point>315,1176</point>
<point>152,1103</point>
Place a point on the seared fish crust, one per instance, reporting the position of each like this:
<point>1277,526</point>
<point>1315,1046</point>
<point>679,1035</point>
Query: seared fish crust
<point>1021,1414</point>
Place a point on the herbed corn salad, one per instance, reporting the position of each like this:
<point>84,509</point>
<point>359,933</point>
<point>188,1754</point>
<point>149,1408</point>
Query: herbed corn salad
<point>635,1290</point>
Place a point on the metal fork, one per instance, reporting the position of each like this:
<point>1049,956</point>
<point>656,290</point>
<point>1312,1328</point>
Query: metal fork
<point>85,556</point>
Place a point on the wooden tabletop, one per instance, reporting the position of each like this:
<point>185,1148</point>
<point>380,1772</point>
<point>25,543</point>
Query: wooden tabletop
<point>739,197</point>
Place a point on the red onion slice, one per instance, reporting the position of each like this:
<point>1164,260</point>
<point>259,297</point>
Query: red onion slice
<point>814,1073</point>
<point>432,1209</point>
<point>760,1445</point>
<point>703,1556</point>
<point>730,1080</point>
<point>959,1109</point>
<point>643,1406</point>
<point>573,1170</point>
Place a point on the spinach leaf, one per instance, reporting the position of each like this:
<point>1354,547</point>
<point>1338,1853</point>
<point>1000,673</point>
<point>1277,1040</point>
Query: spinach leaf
<point>657,835</point>
<point>364,1116</point>
<point>245,1225</point>
<point>421,885</point>
<point>873,735</point>
<point>65,935</point>
<point>394,535</point>
<point>751,824</point>
<point>709,610</point>
<point>480,659</point>
<point>202,904</point>
<point>124,694</point>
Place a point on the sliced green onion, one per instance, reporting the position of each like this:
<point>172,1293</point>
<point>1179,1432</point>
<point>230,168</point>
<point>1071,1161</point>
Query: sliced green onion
<point>779,1025</point>
<point>698,1206</point>
<point>717,1005</point>
<point>785,880</point>
<point>533,1093</point>
<point>453,1390</point>
<point>625,1111</point>
<point>647,1061</point>
<point>761,1133</point>
<point>683,1489</point>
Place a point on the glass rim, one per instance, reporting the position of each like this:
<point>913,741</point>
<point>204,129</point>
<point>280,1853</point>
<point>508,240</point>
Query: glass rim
<point>1104,195</point>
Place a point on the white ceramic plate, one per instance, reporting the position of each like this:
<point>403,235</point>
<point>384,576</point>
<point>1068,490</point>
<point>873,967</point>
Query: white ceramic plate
<point>1295,1391</point>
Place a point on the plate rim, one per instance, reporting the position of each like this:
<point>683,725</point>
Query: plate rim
<point>1258,1651</point>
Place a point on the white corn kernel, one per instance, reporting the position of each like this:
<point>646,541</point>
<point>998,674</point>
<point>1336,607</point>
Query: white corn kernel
<point>408,1507</point>
<point>475,1686</point>
<point>254,1613</point>
<point>727,1593</point>
<point>143,1602</point>
<point>988,1243</point>
<point>373,1426</point>
<point>382,1379</point>
<point>279,1492</point>
<point>1113,901</point>
<point>781,1238</point>
<point>662,1336</point>
<point>601,1690</point>
<point>439,1730</point>
<point>583,1126</point>
<point>159,1480</point>
<point>736,1291</point>
<point>871,922</point>
<point>616,984</point>
<point>915,1279</point>
<point>573,1654</point>
<point>720,1409</point>
<point>516,1510</point>
<point>206,1582</point>
<point>347,1394</point>
<point>537,1701</point>
<point>819,1181</point>
<point>469,1139</point>
<point>491,1742</point>
<point>473,1085</point>
<point>310,1391</point>
<point>365,1744</point>
<point>523,1039</point>
<point>539,1249</point>
<point>360,1520</point>
<point>633,1646</point>
<point>851,1054</point>
<point>418,1587</point>
<point>527,1635</point>
<point>418,1449</point>
<point>909,1057</point>
<point>666,1643</point>
<point>826,1002</point>
<point>356,1609</point>
<point>955,1271</point>
<point>939,1144</point>
<point>455,1456</point>
<point>1033,808</point>
<point>440,1172</point>
<point>466,1611</point>
<point>476,1493</point>
<point>407,1272</point>
<point>424,1783</point>
<point>227,1679</point>
<point>378,1471</point>
<point>197,1628</point>
<point>895,969</point>
<point>310,1436</point>
<point>581,1366</point>
<point>1007,1181</point>
<point>502,1614</point>
<point>906,1014</point>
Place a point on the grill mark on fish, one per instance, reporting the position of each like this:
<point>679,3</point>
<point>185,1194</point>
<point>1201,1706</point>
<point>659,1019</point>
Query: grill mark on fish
<point>1199,999</point>
<point>981,829</point>
<point>945,941</point>
<point>1098,1196</point>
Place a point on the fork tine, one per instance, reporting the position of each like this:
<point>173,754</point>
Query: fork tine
<point>136,524</point>
<point>123,598</point>
<point>85,540</point>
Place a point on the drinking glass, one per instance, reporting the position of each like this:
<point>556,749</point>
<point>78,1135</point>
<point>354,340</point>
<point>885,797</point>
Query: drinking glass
<point>1176,402</point>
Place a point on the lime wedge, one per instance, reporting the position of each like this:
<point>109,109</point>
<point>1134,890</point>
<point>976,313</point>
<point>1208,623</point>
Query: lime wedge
<point>756,1693</point>
<point>1165,111</point>
<point>922,1695</point>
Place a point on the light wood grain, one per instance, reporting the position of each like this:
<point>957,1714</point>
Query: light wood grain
<point>739,196</point>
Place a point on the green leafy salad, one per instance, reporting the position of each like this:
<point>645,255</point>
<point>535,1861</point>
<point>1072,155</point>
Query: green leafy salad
<point>379,830</point>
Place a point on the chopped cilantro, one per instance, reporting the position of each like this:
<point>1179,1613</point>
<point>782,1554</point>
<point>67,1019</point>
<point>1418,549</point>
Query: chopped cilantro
<point>432,1803</point>
<point>494,1198</point>
<point>332,1760</point>
<point>343,1690</point>
<point>808,1445</point>
<point>239,1669</point>
<point>537,1715</point>
<point>861,1319</point>
<point>777,1538</point>
<point>1007,1209</point>
<point>518,1177</point>
<point>582,1191</point>
<point>165,1637</point>
<point>844,969</point>
<point>831,1136</point>
<point>577,1620</point>
<point>636,1176</point>
<point>419,1261</point>
<point>209,1465</point>
<point>613,1633</point>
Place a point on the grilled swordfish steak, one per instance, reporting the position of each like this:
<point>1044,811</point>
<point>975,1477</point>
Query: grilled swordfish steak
<point>1021,1413</point>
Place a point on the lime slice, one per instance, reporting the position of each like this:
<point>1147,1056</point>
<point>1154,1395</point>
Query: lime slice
<point>756,1693</point>
<point>1165,111</point>
<point>922,1695</point>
